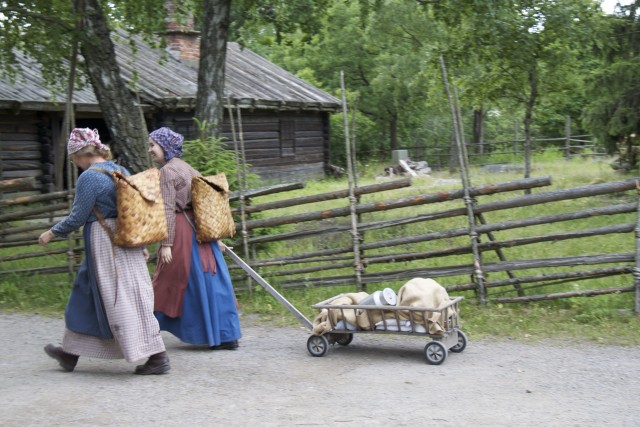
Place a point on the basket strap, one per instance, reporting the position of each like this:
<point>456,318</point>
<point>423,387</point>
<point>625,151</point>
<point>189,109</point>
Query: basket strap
<point>104,225</point>
<point>97,212</point>
<point>109,232</point>
<point>189,221</point>
<point>103,171</point>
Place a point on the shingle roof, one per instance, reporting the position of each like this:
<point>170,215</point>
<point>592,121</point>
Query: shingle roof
<point>165,82</point>
<point>28,91</point>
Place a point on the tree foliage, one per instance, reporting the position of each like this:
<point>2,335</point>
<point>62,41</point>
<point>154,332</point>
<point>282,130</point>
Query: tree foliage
<point>383,50</point>
<point>46,29</point>
<point>51,32</point>
<point>537,61</point>
<point>613,113</point>
<point>43,30</point>
<point>520,60</point>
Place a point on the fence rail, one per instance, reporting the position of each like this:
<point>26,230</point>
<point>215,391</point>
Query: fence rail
<point>505,151</point>
<point>283,271</point>
<point>22,220</point>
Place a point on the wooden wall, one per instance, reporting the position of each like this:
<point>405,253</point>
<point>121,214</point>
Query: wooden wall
<point>26,148</point>
<point>279,146</point>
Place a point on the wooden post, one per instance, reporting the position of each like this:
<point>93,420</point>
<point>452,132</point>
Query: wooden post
<point>457,130</point>
<point>241,191</point>
<point>515,143</point>
<point>636,270</point>
<point>72,171</point>
<point>352,199</point>
<point>357,193</point>
<point>567,140</point>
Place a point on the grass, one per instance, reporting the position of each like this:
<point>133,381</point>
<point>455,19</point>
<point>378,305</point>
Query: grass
<point>607,319</point>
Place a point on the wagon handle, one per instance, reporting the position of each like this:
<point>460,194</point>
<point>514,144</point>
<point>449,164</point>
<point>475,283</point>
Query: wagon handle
<point>306,322</point>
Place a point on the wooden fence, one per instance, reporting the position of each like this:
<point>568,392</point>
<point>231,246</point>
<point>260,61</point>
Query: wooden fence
<point>23,219</point>
<point>314,268</point>
<point>439,156</point>
<point>383,244</point>
<point>443,155</point>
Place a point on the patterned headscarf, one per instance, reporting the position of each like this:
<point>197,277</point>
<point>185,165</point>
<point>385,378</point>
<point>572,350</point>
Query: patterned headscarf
<point>170,141</point>
<point>82,137</point>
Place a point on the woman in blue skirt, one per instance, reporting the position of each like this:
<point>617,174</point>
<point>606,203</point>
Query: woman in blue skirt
<point>194,298</point>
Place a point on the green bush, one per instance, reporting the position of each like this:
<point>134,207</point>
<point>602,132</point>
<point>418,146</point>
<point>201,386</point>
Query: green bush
<point>210,156</point>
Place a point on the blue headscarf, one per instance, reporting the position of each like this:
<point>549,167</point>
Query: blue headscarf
<point>170,141</point>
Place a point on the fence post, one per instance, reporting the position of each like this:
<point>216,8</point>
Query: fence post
<point>462,156</point>
<point>567,141</point>
<point>352,199</point>
<point>241,179</point>
<point>354,163</point>
<point>515,142</point>
<point>636,269</point>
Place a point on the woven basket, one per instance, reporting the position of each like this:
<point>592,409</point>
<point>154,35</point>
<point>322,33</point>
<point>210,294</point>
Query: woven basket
<point>210,200</point>
<point>141,219</point>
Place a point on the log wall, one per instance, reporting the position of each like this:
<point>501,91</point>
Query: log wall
<point>279,146</point>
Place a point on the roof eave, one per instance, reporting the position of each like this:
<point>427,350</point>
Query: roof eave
<point>280,105</point>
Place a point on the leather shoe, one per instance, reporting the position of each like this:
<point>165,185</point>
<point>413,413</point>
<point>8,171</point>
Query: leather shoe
<point>156,365</point>
<point>66,360</point>
<point>229,345</point>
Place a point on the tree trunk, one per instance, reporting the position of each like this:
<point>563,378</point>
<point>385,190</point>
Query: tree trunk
<point>213,54</point>
<point>528,117</point>
<point>122,117</point>
<point>393,131</point>
<point>478,130</point>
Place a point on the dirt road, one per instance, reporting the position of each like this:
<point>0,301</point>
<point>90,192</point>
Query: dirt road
<point>378,380</point>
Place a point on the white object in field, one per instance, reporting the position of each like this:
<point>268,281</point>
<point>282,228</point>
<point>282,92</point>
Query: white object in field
<point>406,167</point>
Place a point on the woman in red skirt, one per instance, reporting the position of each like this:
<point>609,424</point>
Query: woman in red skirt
<point>194,297</point>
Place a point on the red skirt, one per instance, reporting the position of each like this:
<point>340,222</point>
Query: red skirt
<point>170,280</point>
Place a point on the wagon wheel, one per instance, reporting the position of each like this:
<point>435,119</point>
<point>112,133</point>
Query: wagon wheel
<point>462,343</point>
<point>317,345</point>
<point>344,339</point>
<point>435,352</point>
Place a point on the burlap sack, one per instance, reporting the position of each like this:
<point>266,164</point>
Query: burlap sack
<point>211,210</point>
<point>141,219</point>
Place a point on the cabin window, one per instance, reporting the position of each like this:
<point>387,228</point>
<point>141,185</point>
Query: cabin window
<point>287,138</point>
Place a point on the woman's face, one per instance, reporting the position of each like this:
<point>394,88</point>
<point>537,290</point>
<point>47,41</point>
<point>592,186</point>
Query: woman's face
<point>82,162</point>
<point>156,152</point>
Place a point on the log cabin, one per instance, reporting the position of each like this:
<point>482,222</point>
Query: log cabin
<point>285,120</point>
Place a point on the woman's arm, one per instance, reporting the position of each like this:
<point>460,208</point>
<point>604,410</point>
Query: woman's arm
<point>168,180</point>
<point>83,203</point>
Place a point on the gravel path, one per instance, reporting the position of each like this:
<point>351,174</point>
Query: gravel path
<point>271,380</point>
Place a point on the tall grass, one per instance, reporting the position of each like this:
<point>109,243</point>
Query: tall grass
<point>604,319</point>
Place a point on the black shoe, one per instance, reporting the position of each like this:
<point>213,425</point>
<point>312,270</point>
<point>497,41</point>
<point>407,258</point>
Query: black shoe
<point>66,360</point>
<point>229,345</point>
<point>156,365</point>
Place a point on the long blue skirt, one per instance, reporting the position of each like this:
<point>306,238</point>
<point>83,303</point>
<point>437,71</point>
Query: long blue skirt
<point>209,313</point>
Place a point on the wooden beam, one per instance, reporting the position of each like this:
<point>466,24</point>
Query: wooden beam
<point>27,183</point>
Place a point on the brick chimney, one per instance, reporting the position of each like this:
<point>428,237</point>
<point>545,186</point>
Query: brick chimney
<point>182,39</point>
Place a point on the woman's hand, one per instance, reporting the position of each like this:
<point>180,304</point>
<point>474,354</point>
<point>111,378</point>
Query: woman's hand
<point>46,237</point>
<point>145,253</point>
<point>165,254</point>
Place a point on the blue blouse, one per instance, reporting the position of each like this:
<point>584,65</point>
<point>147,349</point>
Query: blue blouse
<point>94,188</point>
